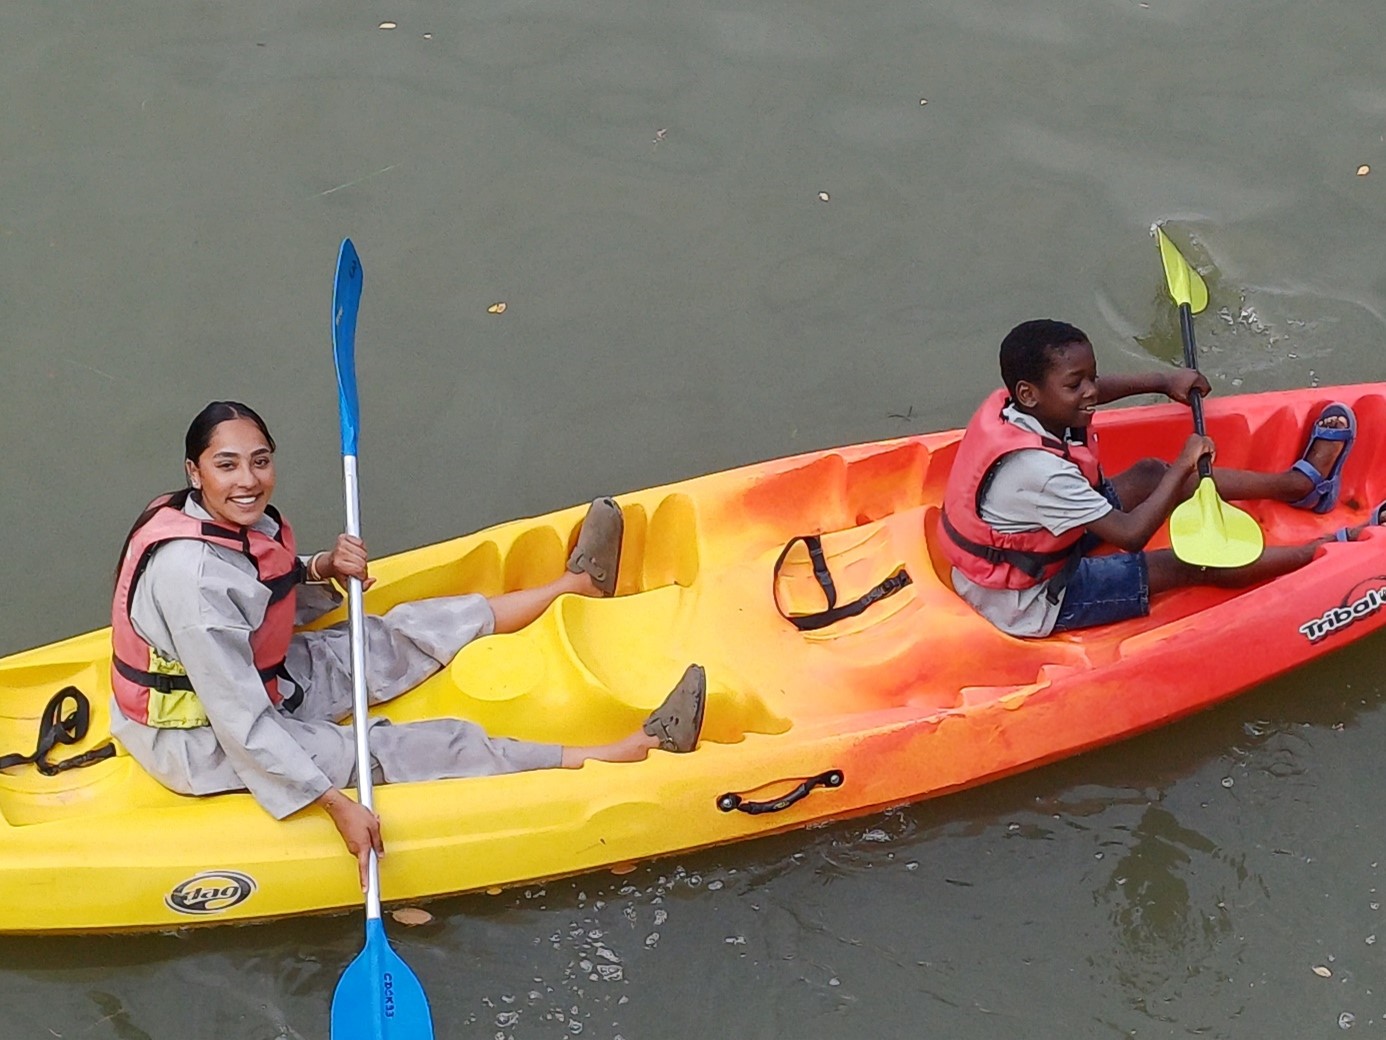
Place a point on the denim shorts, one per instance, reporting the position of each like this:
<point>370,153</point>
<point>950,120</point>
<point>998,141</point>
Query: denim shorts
<point>1105,589</point>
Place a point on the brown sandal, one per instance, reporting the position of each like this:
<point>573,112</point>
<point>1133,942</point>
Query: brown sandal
<point>598,549</point>
<point>678,721</point>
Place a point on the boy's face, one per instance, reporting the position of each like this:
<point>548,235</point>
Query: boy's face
<point>1067,395</point>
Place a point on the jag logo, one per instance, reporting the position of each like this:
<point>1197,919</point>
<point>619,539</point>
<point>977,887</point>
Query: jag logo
<point>210,892</point>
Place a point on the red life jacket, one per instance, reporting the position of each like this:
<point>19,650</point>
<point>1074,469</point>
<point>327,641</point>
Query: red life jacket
<point>983,554</point>
<point>157,692</point>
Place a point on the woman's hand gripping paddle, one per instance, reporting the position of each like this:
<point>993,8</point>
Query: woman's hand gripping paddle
<point>377,997</point>
<point>1203,530</point>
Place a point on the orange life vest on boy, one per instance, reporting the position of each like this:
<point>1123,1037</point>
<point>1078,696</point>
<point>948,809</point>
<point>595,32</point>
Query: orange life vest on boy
<point>155,691</point>
<point>983,554</point>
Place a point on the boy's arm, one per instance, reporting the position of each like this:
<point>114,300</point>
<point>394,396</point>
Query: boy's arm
<point>1174,383</point>
<point>1130,531</point>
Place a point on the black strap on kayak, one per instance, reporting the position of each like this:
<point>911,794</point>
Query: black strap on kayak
<point>56,728</point>
<point>823,618</point>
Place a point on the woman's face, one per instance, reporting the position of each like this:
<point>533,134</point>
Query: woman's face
<point>235,474</point>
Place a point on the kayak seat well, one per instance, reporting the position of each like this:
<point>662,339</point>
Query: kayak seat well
<point>858,559</point>
<point>659,548</point>
<point>588,671</point>
<point>26,795</point>
<point>837,490</point>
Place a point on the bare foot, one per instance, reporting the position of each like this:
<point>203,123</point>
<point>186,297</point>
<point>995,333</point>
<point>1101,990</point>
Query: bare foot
<point>580,583</point>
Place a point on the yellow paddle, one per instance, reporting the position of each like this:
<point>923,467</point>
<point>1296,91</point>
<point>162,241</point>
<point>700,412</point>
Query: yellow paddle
<point>1203,530</point>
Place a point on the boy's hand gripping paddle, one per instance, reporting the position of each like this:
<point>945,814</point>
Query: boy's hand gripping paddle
<point>1203,530</point>
<point>377,997</point>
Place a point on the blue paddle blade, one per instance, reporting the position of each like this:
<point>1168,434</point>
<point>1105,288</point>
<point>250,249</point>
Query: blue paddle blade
<point>346,301</point>
<point>378,997</point>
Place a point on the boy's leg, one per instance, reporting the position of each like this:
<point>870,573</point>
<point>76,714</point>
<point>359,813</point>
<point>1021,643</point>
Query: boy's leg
<point>1133,486</point>
<point>1288,485</point>
<point>1103,590</point>
<point>1167,571</point>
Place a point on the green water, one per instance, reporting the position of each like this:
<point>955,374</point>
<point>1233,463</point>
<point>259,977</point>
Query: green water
<point>643,186</point>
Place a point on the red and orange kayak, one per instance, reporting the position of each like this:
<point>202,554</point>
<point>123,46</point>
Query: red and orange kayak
<point>915,696</point>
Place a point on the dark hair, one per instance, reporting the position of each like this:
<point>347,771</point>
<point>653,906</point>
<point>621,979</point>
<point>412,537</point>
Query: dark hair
<point>205,423</point>
<point>195,442</point>
<point>1029,349</point>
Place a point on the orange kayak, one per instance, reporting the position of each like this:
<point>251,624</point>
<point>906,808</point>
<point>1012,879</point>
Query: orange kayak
<point>915,696</point>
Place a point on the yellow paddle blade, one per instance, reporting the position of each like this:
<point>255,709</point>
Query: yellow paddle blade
<point>1207,532</point>
<point>1185,284</point>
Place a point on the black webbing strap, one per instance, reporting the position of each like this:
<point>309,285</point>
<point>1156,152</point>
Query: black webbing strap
<point>823,618</point>
<point>56,728</point>
<point>168,683</point>
<point>154,680</point>
<point>1030,563</point>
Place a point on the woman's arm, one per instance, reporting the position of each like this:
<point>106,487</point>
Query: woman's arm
<point>358,826</point>
<point>346,559</point>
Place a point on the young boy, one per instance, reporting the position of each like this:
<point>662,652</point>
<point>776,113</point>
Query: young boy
<point>1026,498</point>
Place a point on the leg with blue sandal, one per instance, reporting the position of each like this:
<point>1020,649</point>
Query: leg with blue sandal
<point>1313,482</point>
<point>1107,588</point>
<point>1336,426</point>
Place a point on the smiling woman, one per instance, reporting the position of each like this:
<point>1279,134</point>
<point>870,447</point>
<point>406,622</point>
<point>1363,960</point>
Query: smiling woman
<point>235,470</point>
<point>215,691</point>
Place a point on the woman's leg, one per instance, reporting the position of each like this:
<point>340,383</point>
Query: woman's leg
<point>674,726</point>
<point>515,610</point>
<point>634,748</point>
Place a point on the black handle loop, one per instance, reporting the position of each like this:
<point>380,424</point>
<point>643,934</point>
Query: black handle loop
<point>733,802</point>
<point>56,728</point>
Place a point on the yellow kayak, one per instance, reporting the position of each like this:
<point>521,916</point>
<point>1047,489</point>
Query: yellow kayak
<point>911,697</point>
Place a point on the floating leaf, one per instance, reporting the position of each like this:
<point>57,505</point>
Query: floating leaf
<point>622,868</point>
<point>411,916</point>
<point>496,308</point>
<point>823,196</point>
<point>388,25</point>
<point>494,890</point>
<point>1322,972</point>
<point>1363,170</point>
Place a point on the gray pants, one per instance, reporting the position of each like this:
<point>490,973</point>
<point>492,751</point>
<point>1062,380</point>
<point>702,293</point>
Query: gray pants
<point>403,647</point>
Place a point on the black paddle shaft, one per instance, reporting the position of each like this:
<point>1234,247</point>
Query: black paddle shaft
<point>1205,467</point>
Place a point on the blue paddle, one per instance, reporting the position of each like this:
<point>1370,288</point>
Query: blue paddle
<point>377,997</point>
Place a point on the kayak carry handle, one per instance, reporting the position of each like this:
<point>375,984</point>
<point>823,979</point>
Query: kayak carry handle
<point>732,801</point>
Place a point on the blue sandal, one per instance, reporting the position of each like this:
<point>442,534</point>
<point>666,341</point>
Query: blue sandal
<point>1324,494</point>
<point>1376,518</point>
